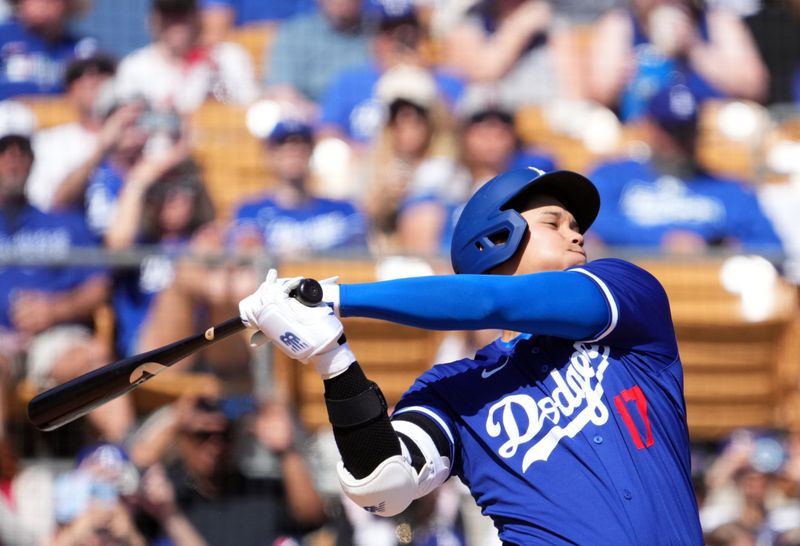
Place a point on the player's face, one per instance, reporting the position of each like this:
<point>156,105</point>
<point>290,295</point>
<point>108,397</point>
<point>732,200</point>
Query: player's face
<point>552,243</point>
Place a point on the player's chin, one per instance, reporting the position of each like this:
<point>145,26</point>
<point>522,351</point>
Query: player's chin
<point>575,258</point>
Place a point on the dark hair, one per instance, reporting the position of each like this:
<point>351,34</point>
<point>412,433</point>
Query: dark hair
<point>173,7</point>
<point>185,177</point>
<point>490,113</point>
<point>97,64</point>
<point>400,104</point>
<point>16,141</point>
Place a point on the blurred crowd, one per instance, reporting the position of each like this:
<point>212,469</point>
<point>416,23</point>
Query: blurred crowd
<point>376,120</point>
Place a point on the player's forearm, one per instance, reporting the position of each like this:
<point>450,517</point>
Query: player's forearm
<point>563,304</point>
<point>378,433</point>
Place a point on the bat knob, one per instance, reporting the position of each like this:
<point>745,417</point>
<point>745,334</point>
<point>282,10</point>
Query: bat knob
<point>308,292</point>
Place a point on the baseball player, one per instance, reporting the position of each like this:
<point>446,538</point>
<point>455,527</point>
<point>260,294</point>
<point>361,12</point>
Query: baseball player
<point>572,432</point>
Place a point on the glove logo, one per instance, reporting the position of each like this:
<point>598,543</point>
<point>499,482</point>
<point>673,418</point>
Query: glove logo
<point>376,509</point>
<point>293,342</point>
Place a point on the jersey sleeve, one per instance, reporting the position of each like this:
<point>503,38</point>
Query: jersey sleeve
<point>639,308</point>
<point>556,303</point>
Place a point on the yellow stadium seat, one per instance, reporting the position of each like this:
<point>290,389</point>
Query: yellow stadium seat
<point>231,157</point>
<point>256,38</point>
<point>723,152</point>
<point>50,110</point>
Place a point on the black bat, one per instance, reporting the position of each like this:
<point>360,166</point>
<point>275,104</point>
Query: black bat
<point>75,398</point>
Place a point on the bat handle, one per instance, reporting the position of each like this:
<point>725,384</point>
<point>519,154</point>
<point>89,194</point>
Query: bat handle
<point>308,292</point>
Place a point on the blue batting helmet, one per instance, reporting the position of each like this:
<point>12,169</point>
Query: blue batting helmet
<point>489,230</point>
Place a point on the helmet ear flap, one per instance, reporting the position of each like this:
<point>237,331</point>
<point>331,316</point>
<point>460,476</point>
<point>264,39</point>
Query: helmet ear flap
<point>493,244</point>
<point>495,239</point>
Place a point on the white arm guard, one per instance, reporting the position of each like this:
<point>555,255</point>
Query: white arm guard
<point>391,487</point>
<point>387,491</point>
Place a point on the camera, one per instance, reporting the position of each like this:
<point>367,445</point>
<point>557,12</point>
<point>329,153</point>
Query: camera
<point>159,121</point>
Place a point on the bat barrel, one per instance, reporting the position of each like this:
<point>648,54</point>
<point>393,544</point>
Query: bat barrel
<point>77,397</point>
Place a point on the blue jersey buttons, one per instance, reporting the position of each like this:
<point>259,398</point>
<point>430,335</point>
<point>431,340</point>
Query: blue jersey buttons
<point>627,494</point>
<point>597,439</point>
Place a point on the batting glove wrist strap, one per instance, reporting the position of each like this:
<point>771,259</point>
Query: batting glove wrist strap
<point>330,294</point>
<point>334,362</point>
<point>358,410</point>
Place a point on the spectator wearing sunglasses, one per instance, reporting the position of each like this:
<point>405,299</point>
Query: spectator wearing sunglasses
<point>229,503</point>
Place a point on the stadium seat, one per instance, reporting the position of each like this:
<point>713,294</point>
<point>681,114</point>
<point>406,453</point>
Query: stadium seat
<point>231,157</point>
<point>731,137</point>
<point>256,38</point>
<point>50,110</point>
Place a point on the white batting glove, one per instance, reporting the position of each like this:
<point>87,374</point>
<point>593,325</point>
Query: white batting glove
<point>302,332</point>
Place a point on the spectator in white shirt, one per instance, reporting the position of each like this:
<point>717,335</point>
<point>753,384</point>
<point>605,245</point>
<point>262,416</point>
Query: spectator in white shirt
<point>59,150</point>
<point>178,71</point>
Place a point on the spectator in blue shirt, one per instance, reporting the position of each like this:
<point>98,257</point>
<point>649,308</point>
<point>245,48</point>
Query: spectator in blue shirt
<point>670,202</point>
<point>46,310</point>
<point>349,106</point>
<point>291,220</point>
<point>36,46</point>
<point>301,68</point>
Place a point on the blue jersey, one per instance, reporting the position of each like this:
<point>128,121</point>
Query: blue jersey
<point>655,71</point>
<point>33,234</point>
<point>30,65</point>
<point>135,290</point>
<point>350,105</point>
<point>318,225</point>
<point>563,441</point>
<point>101,196</point>
<point>641,206</point>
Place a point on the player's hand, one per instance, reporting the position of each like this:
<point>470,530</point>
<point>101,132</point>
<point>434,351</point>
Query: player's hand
<point>304,333</point>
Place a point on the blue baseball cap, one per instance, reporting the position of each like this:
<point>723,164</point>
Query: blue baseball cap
<point>674,107</point>
<point>387,13</point>
<point>288,128</point>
